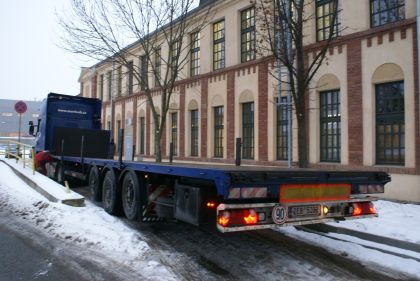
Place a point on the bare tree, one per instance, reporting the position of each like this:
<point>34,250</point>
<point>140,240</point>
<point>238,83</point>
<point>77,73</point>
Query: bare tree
<point>282,19</point>
<point>117,31</point>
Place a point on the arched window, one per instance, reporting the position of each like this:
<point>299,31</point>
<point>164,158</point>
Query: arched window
<point>330,126</point>
<point>246,100</point>
<point>282,128</point>
<point>174,132</point>
<point>218,126</point>
<point>330,118</point>
<point>248,130</point>
<point>389,117</point>
<point>142,132</point>
<point>194,126</point>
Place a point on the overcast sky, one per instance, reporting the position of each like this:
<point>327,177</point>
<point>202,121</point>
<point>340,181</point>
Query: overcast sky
<point>32,65</point>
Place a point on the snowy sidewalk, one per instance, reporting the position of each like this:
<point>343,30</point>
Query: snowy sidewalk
<point>45,186</point>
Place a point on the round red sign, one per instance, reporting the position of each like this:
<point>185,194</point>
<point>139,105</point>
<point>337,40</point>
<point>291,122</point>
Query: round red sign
<point>20,107</point>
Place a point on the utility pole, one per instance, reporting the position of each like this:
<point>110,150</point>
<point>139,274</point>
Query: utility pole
<point>288,52</point>
<point>280,105</point>
<point>289,90</point>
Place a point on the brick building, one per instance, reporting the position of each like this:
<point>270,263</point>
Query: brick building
<point>363,102</point>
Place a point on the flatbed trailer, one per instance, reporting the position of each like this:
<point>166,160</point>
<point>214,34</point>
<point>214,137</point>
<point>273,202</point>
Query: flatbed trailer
<point>227,194</point>
<point>236,198</point>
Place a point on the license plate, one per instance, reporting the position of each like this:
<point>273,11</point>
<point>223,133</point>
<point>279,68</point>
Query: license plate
<point>304,211</point>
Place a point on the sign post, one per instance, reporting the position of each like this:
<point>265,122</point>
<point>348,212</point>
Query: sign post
<point>20,108</point>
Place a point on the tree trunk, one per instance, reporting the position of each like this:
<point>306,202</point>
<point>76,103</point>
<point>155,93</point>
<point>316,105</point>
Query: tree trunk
<point>158,149</point>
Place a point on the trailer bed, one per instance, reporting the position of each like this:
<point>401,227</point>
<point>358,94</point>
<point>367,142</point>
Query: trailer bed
<point>226,176</point>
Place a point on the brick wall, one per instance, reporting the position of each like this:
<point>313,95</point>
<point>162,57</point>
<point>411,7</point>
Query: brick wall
<point>262,111</point>
<point>354,90</point>
<point>230,115</point>
<point>203,116</point>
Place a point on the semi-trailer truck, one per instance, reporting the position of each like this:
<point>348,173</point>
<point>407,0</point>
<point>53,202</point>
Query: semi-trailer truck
<point>235,198</point>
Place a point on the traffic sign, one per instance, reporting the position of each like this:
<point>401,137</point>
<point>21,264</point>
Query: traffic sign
<point>279,214</point>
<point>20,107</point>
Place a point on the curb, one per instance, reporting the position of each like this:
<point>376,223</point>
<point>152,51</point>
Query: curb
<point>366,236</point>
<point>40,190</point>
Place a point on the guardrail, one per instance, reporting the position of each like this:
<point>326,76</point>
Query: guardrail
<point>19,151</point>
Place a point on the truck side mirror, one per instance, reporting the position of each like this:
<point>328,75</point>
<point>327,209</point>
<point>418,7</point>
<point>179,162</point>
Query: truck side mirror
<point>38,126</point>
<point>31,128</point>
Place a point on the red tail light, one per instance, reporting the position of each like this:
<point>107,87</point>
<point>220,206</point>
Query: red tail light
<point>223,219</point>
<point>250,217</point>
<point>363,208</point>
<point>357,210</point>
<point>237,217</point>
<point>211,204</point>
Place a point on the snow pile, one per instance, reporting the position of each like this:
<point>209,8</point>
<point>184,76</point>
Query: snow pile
<point>354,249</point>
<point>397,221</point>
<point>89,227</point>
<point>50,186</point>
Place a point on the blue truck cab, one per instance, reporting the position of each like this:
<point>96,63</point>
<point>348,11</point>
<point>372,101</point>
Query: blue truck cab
<point>64,116</point>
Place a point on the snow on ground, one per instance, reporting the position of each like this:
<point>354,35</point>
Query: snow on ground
<point>50,186</point>
<point>89,226</point>
<point>396,220</point>
<point>354,251</point>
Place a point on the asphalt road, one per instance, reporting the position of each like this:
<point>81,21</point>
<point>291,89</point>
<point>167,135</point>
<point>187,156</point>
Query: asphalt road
<point>21,259</point>
<point>27,253</point>
<point>192,253</point>
<point>205,254</point>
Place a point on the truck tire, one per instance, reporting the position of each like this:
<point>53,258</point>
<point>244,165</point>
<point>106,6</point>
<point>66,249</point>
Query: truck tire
<point>94,184</point>
<point>131,196</point>
<point>110,193</point>
<point>59,174</point>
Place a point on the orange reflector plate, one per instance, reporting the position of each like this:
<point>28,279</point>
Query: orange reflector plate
<point>290,193</point>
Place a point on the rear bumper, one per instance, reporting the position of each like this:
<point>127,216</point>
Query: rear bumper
<point>270,224</point>
<point>296,223</point>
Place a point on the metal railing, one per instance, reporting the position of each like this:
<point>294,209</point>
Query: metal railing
<point>20,151</point>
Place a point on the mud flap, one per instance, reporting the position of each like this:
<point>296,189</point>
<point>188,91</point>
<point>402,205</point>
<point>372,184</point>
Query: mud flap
<point>187,203</point>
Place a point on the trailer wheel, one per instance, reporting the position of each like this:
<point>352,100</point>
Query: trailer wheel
<point>131,196</point>
<point>94,184</point>
<point>59,175</point>
<point>110,193</point>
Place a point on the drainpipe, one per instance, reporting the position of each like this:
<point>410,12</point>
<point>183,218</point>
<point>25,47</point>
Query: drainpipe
<point>418,53</point>
<point>111,127</point>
